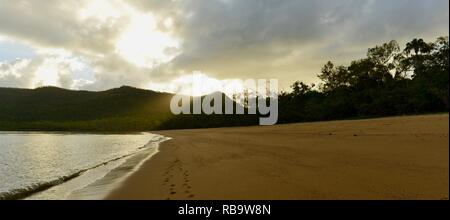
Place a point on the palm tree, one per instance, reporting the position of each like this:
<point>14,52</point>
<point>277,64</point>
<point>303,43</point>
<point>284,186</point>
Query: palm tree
<point>418,46</point>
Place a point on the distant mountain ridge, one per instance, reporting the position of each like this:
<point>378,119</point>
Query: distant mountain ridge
<point>119,109</point>
<point>52,103</point>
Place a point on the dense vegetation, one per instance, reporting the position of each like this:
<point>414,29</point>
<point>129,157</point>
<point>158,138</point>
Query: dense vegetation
<point>51,108</point>
<point>389,81</point>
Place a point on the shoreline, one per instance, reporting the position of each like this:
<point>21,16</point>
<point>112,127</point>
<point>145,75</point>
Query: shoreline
<point>388,158</point>
<point>114,179</point>
<point>97,182</point>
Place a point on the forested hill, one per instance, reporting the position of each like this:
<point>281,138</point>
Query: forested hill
<point>115,110</point>
<point>51,108</point>
<point>56,104</point>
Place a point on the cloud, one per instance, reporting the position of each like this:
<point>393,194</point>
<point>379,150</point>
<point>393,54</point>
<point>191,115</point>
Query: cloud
<point>14,74</point>
<point>150,42</point>
<point>291,38</point>
<point>51,70</point>
<point>116,41</point>
<point>57,24</point>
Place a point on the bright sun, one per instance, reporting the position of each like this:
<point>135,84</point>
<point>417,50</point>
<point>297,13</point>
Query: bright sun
<point>46,75</point>
<point>144,45</point>
<point>199,84</point>
<point>140,42</point>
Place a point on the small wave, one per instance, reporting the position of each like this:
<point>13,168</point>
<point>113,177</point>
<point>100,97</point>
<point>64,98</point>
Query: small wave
<point>38,187</point>
<point>116,176</point>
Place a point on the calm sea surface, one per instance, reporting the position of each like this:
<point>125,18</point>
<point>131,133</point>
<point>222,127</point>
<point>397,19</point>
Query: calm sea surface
<point>69,166</point>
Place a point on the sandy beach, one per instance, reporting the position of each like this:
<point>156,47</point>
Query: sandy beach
<point>388,158</point>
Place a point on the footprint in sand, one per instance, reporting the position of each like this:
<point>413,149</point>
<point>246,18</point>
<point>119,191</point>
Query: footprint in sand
<point>169,177</point>
<point>186,185</point>
<point>174,170</point>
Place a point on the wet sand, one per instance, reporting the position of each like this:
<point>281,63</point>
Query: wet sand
<point>388,158</point>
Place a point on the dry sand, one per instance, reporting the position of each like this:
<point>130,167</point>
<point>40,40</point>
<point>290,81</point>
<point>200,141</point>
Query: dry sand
<point>389,158</point>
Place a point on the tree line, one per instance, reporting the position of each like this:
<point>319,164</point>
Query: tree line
<point>389,81</point>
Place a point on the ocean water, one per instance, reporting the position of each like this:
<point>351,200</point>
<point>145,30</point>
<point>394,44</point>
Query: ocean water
<point>69,166</point>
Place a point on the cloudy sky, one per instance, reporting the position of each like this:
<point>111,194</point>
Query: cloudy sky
<point>158,44</point>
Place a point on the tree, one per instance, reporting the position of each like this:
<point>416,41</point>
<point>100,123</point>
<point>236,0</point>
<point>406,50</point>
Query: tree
<point>384,55</point>
<point>414,57</point>
<point>300,88</point>
<point>441,52</point>
<point>334,77</point>
<point>418,46</point>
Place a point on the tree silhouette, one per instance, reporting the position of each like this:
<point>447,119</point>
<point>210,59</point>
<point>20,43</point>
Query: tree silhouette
<point>418,46</point>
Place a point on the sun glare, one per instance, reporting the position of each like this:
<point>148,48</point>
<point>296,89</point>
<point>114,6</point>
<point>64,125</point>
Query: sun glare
<point>198,84</point>
<point>46,75</point>
<point>145,46</point>
<point>140,42</point>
